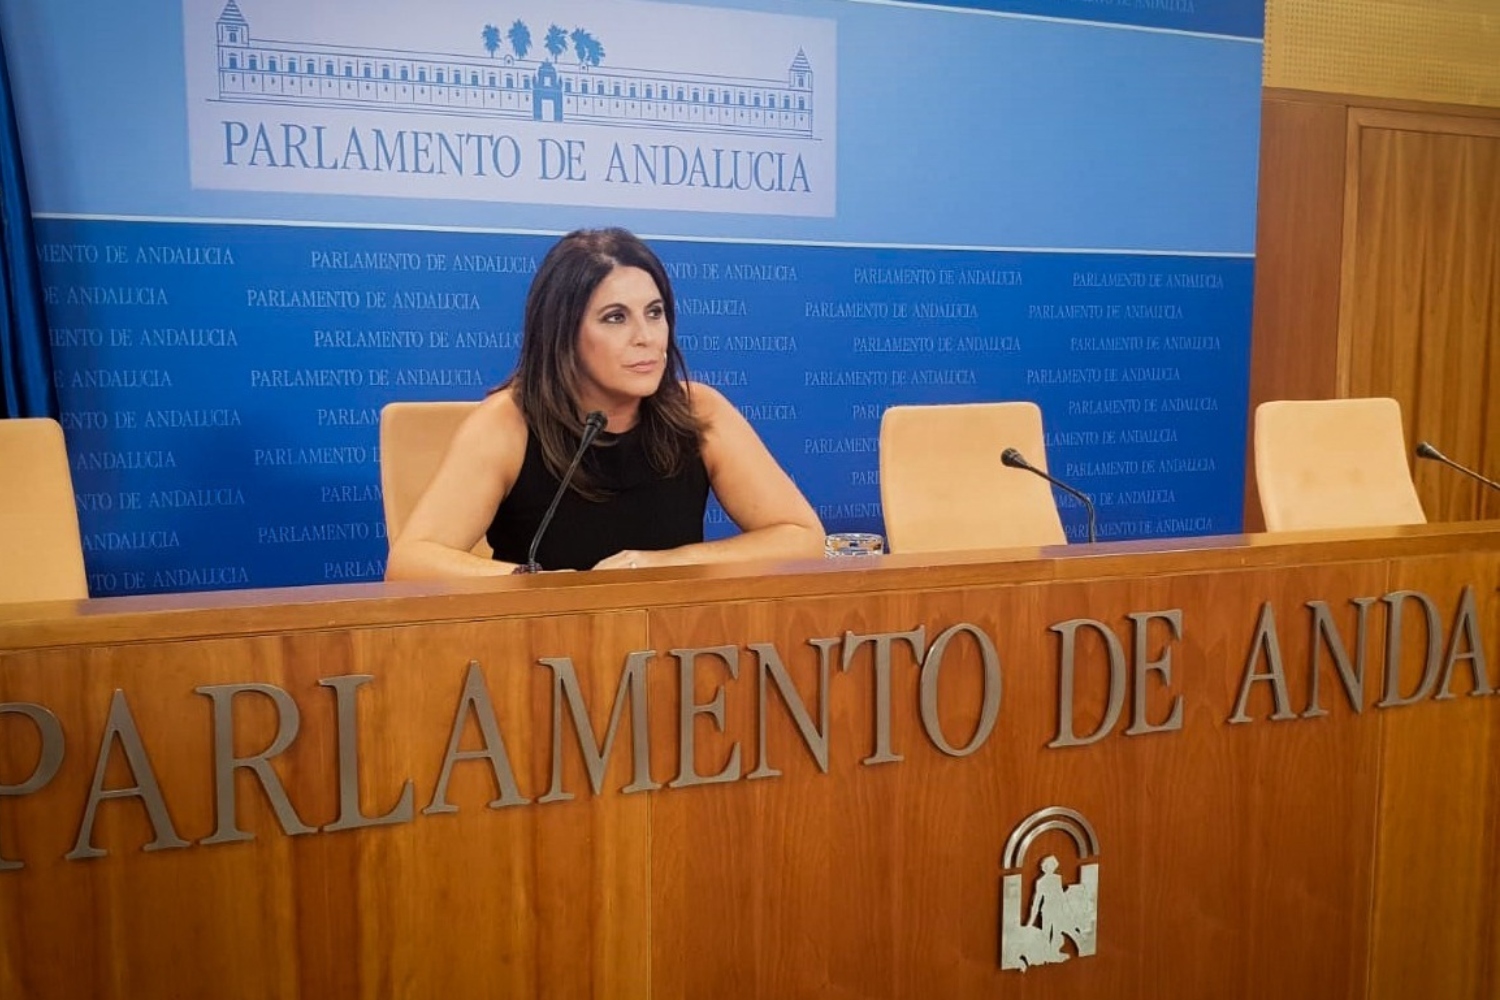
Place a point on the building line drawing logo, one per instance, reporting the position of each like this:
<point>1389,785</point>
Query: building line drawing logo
<point>1058,913</point>
<point>541,87</point>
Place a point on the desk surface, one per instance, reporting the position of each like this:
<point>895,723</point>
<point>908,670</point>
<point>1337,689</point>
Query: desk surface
<point>230,612</point>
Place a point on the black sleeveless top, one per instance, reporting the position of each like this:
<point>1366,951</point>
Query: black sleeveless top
<point>642,510</point>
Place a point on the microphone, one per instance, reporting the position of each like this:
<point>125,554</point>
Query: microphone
<point>1425,450</point>
<point>1016,460</point>
<point>592,425</point>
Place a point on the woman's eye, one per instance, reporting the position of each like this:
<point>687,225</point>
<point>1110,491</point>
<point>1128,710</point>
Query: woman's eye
<point>656,312</point>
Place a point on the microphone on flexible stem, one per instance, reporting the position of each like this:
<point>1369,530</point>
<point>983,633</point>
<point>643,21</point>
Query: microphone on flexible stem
<point>1016,460</point>
<point>592,425</point>
<point>1425,450</point>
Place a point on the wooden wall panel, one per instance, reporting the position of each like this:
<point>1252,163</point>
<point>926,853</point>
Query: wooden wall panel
<point>1299,232</point>
<point>1421,308</point>
<point>1412,309</point>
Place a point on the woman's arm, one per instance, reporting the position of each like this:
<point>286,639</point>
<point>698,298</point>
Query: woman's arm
<point>478,471</point>
<point>775,520</point>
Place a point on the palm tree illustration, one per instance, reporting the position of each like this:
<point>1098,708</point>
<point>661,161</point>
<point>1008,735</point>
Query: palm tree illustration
<point>520,38</point>
<point>590,51</point>
<point>556,42</point>
<point>491,36</point>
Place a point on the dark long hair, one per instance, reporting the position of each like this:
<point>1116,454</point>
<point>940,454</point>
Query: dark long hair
<point>547,375</point>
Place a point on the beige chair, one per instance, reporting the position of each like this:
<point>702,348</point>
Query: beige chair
<point>41,551</point>
<point>942,484</point>
<point>413,439</point>
<point>1333,463</point>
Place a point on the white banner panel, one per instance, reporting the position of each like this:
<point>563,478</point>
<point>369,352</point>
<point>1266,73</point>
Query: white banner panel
<point>629,105</point>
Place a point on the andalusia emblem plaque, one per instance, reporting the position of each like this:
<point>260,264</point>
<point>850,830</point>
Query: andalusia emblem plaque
<point>1055,914</point>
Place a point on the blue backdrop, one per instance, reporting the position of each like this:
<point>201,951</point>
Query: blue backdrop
<point>992,205</point>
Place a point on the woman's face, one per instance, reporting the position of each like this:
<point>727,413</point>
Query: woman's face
<point>622,343</point>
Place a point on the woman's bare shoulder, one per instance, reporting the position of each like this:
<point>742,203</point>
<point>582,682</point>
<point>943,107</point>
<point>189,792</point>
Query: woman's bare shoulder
<point>500,411</point>
<point>496,427</point>
<point>707,401</point>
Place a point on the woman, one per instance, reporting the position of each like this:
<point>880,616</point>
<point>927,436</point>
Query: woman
<point>599,337</point>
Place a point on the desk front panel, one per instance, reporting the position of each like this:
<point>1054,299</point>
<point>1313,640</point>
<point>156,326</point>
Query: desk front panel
<point>805,786</point>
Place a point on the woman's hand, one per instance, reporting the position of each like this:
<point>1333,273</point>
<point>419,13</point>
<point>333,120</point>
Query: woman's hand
<point>631,559</point>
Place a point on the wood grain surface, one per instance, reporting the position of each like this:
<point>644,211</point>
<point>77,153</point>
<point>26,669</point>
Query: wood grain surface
<point>1326,847</point>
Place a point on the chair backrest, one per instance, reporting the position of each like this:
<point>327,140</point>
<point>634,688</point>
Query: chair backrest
<point>414,437</point>
<point>1333,463</point>
<point>942,484</point>
<point>41,550</point>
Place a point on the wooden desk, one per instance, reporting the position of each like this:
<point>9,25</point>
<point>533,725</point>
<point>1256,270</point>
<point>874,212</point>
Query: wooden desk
<point>1349,854</point>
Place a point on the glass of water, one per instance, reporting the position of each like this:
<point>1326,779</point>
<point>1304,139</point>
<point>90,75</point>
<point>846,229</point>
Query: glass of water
<point>853,543</point>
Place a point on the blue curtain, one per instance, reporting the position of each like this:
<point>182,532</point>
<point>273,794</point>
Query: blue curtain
<point>26,388</point>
